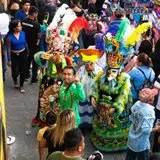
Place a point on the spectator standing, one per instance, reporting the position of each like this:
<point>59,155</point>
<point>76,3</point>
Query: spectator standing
<point>142,118</point>
<point>71,92</point>
<point>139,74</point>
<point>53,137</point>
<point>50,120</point>
<point>74,146</point>
<point>13,7</point>
<point>156,144</point>
<point>155,56</point>
<point>4,28</point>
<point>17,50</point>
<point>146,45</point>
<point>76,8</point>
<point>32,29</point>
<point>21,14</point>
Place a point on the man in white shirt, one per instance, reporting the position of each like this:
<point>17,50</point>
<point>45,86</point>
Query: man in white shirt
<point>4,28</point>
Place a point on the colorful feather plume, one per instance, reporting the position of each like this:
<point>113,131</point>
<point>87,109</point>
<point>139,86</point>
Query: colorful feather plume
<point>136,34</point>
<point>77,25</point>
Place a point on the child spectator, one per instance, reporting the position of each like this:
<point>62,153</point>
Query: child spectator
<point>50,120</point>
<point>142,118</point>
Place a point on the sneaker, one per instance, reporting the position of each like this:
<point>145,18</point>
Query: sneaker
<point>22,90</point>
<point>34,81</point>
<point>35,122</point>
<point>16,84</point>
<point>10,140</point>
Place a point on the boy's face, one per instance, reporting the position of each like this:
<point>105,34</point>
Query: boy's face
<point>68,76</point>
<point>26,7</point>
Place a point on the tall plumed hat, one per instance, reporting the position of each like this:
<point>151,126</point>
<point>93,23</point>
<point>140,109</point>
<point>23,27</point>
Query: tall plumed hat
<point>59,40</point>
<point>90,55</point>
<point>112,49</point>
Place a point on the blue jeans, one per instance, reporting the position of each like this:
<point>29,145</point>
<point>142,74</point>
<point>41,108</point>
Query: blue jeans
<point>131,155</point>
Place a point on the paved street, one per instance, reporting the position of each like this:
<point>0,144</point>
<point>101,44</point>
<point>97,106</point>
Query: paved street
<point>20,109</point>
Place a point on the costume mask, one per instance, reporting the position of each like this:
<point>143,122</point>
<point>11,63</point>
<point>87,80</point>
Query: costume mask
<point>57,57</point>
<point>112,73</point>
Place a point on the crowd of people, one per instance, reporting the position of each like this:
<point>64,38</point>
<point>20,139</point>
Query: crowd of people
<point>97,67</point>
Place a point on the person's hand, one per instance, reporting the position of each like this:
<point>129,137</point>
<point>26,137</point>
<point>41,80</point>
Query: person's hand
<point>47,55</point>
<point>76,80</point>
<point>93,102</point>
<point>157,128</point>
<point>111,111</point>
<point>9,64</point>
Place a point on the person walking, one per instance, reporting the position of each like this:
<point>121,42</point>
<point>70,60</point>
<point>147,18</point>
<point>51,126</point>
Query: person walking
<point>17,51</point>
<point>32,29</point>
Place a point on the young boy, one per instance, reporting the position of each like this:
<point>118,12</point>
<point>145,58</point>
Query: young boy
<point>142,118</point>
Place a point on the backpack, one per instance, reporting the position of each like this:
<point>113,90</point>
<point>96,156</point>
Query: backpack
<point>147,82</point>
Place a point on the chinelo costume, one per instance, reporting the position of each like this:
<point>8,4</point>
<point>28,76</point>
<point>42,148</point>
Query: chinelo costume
<point>89,56</point>
<point>62,40</point>
<point>111,90</point>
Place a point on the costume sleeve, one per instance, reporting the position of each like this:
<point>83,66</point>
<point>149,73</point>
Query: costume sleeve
<point>123,97</point>
<point>80,92</point>
<point>94,91</point>
<point>41,62</point>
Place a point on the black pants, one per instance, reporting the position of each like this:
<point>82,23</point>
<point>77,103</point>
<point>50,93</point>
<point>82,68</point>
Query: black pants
<point>156,145</point>
<point>131,155</point>
<point>19,66</point>
<point>30,60</point>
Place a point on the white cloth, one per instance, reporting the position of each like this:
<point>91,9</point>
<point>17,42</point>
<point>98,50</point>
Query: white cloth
<point>4,23</point>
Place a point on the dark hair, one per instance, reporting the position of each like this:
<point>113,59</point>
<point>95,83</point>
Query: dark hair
<point>157,46</point>
<point>72,68</point>
<point>33,10</point>
<point>72,139</point>
<point>149,33</point>
<point>2,8</point>
<point>25,1</point>
<point>119,12</point>
<point>91,8</point>
<point>11,2</point>
<point>145,60</point>
<point>50,118</point>
<point>13,24</point>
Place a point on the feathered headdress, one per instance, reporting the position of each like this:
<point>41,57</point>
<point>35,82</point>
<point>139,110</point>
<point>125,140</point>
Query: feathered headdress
<point>120,45</point>
<point>90,55</point>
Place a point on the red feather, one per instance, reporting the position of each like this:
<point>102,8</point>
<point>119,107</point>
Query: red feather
<point>78,24</point>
